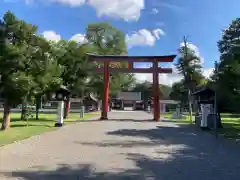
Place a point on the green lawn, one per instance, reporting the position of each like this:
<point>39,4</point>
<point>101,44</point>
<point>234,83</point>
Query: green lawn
<point>185,120</point>
<point>231,125</point>
<point>21,129</point>
<point>231,128</point>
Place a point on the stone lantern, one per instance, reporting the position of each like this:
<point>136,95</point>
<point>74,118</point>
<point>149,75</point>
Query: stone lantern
<point>60,96</point>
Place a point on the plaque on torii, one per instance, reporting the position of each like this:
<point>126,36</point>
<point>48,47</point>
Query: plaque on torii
<point>155,70</point>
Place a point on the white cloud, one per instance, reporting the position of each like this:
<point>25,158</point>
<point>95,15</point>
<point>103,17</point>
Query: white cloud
<point>144,37</point>
<point>192,47</point>
<point>208,72</point>
<point>158,32</point>
<point>72,3</point>
<point>51,36</point>
<point>124,9</point>
<point>79,38</point>
<point>167,79</point>
<point>195,49</point>
<point>154,11</point>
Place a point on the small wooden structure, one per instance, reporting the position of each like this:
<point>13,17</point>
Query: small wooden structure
<point>207,96</point>
<point>117,103</point>
<point>62,94</point>
<point>90,102</point>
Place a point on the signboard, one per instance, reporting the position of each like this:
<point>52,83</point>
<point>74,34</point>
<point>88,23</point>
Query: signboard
<point>131,96</point>
<point>115,64</point>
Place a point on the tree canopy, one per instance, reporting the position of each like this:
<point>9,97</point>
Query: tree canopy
<point>107,40</point>
<point>226,77</point>
<point>31,66</point>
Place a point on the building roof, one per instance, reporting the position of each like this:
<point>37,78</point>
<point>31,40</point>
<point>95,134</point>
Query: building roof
<point>206,90</point>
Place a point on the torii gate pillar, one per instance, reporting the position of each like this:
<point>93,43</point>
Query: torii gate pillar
<point>156,107</point>
<point>106,90</point>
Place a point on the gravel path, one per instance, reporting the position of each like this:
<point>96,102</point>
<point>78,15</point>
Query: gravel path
<point>121,149</point>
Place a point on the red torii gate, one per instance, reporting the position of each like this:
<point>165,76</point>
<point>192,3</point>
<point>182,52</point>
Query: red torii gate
<point>155,70</point>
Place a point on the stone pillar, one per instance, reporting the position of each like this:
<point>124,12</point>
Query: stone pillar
<point>82,111</point>
<point>60,110</point>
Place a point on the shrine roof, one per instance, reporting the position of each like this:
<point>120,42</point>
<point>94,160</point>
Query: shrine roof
<point>204,90</point>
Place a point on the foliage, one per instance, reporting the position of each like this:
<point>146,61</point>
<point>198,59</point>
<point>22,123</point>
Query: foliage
<point>26,65</point>
<point>189,66</point>
<point>146,89</point>
<point>77,69</point>
<point>28,114</point>
<point>165,91</point>
<point>108,40</point>
<point>226,76</point>
<point>178,92</point>
<point>16,36</point>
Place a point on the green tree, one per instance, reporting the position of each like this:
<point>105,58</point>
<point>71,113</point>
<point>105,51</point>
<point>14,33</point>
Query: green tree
<point>145,88</point>
<point>226,76</point>
<point>44,68</point>
<point>165,91</point>
<point>14,63</point>
<point>189,67</point>
<point>77,69</point>
<point>107,40</point>
<point>26,67</point>
<point>179,93</point>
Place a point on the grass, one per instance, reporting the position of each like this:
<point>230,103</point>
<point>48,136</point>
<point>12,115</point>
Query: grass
<point>21,129</point>
<point>185,120</point>
<point>231,125</point>
<point>231,128</point>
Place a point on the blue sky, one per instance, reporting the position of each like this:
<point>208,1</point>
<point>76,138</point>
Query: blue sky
<point>201,21</point>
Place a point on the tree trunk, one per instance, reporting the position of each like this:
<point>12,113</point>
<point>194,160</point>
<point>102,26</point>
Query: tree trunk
<point>23,112</point>
<point>66,109</point>
<point>190,105</point>
<point>6,116</point>
<point>38,106</point>
<point>37,113</point>
<point>219,120</point>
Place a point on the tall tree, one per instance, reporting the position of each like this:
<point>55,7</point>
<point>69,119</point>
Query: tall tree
<point>45,69</point>
<point>26,68</point>
<point>77,68</point>
<point>227,73</point>
<point>15,82</point>
<point>189,66</point>
<point>165,91</point>
<point>179,93</point>
<point>107,40</point>
<point>145,88</point>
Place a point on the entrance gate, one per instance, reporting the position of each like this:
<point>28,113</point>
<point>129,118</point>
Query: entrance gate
<point>155,70</point>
